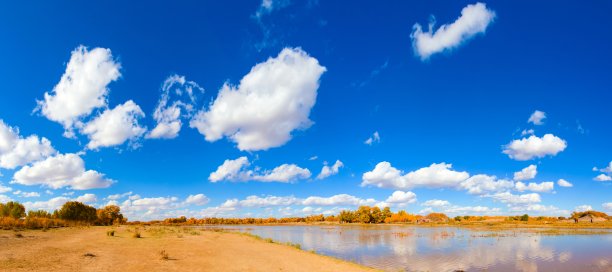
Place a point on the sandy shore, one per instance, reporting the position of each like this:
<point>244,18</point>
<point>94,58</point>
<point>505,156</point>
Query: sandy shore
<point>90,249</point>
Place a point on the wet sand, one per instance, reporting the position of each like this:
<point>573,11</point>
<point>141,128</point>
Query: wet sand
<point>90,249</point>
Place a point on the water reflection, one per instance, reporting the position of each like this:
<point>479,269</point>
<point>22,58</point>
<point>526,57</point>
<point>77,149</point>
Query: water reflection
<point>409,248</point>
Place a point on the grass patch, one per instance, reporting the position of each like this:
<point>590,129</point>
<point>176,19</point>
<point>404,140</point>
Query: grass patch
<point>89,254</point>
<point>136,234</point>
<point>18,235</point>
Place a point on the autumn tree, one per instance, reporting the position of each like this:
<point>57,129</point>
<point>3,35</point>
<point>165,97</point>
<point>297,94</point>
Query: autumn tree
<point>109,215</point>
<point>77,211</point>
<point>12,209</point>
<point>346,216</point>
<point>39,214</point>
<point>363,214</point>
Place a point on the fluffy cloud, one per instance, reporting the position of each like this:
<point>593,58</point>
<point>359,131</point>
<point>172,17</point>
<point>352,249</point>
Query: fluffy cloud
<point>327,170</point>
<point>534,147</point>
<point>602,177</point>
<point>583,208</point>
<point>512,199</point>
<point>375,138</point>
<point>283,173</point>
<point>87,198</point>
<point>230,170</point>
<point>437,175</point>
<point>436,203</point>
<point>115,126</point>
<point>17,151</point>
<point>564,183</point>
<point>178,100</point>
<point>607,206</point>
<point>337,200</point>
<point>61,171</point>
<point>82,88</point>
<point>537,117</point>
<point>234,170</point>
<point>199,199</point>
<point>479,184</point>
<point>527,173</point>
<point>474,19</point>
<point>271,101</point>
<point>401,198</point>
<point>535,187</point>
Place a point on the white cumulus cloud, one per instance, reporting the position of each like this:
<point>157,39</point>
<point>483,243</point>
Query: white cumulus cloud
<point>527,173</point>
<point>17,151</point>
<point>537,117</point>
<point>271,101</point>
<point>61,171</point>
<point>235,170</point>
<point>436,175</point>
<point>474,19</point>
<point>82,88</point>
<point>199,199</point>
<point>327,170</point>
<point>115,126</point>
<point>564,183</point>
<point>535,187</point>
<point>602,177</point>
<point>436,203</point>
<point>480,184</point>
<point>534,147</point>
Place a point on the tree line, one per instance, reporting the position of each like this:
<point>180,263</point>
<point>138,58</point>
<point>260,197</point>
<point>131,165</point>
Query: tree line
<point>13,215</point>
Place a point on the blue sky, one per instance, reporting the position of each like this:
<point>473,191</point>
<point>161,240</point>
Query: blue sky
<point>260,96</point>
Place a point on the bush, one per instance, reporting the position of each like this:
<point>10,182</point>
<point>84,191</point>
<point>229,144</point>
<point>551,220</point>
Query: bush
<point>110,233</point>
<point>525,217</point>
<point>136,234</point>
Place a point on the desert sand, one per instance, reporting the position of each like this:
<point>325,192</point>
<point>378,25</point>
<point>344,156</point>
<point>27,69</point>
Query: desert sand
<point>90,249</point>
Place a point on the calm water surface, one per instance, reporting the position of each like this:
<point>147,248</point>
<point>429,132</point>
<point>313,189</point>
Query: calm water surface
<point>409,248</point>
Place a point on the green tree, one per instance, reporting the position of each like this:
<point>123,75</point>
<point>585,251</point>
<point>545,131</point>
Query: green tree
<point>12,209</point>
<point>525,217</point>
<point>77,211</point>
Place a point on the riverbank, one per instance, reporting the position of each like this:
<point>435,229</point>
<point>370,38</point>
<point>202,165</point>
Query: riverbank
<point>157,249</point>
